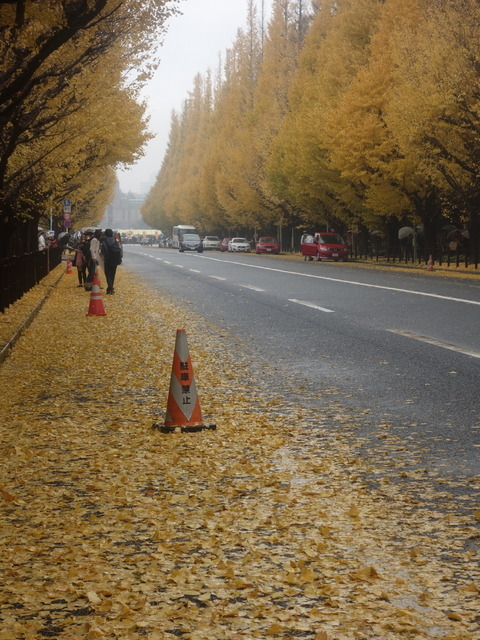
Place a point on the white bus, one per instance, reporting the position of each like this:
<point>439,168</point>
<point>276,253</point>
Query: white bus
<point>178,233</point>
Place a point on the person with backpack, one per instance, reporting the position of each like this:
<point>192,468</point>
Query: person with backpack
<point>112,253</point>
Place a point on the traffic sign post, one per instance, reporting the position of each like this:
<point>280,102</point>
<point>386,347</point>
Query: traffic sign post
<point>67,209</point>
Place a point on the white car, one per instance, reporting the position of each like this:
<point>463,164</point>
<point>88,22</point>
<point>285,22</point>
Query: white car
<point>211,242</point>
<point>239,244</point>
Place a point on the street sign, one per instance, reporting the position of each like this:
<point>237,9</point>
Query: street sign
<point>67,203</point>
<point>67,208</point>
<point>66,216</point>
<point>67,223</point>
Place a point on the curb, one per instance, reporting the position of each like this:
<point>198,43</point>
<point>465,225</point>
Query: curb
<point>5,351</point>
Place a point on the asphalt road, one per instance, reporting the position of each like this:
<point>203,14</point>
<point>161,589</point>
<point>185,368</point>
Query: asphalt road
<point>398,347</point>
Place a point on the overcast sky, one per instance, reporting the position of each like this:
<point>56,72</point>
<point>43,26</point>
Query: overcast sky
<point>192,45</point>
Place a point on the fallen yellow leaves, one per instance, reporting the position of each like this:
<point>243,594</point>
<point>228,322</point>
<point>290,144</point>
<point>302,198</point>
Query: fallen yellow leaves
<point>365,574</point>
<point>258,530</point>
<point>7,496</point>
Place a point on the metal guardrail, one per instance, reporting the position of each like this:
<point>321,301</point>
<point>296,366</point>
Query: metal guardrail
<point>20,273</point>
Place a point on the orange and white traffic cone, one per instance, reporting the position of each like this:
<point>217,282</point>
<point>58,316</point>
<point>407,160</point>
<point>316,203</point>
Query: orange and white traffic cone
<point>69,266</point>
<point>183,406</point>
<point>96,307</point>
<point>430,263</point>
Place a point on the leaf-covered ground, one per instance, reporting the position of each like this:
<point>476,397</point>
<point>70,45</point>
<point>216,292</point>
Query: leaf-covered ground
<point>268,527</point>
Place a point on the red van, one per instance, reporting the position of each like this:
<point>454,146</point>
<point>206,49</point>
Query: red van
<point>323,246</point>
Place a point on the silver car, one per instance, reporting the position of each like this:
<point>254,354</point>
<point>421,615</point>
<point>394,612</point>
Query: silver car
<point>211,242</point>
<point>239,244</point>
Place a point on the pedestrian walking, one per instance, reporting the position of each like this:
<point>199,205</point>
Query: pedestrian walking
<point>89,261</point>
<point>81,263</point>
<point>112,254</point>
<point>41,241</point>
<point>95,248</point>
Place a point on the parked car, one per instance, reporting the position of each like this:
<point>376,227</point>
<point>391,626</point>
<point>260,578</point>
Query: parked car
<point>239,244</point>
<point>267,245</point>
<point>211,242</point>
<point>224,244</point>
<point>324,246</point>
<point>190,242</point>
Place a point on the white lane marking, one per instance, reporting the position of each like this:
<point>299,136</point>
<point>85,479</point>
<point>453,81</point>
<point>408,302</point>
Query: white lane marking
<point>354,282</point>
<point>166,261</point>
<point>311,305</point>
<point>195,270</point>
<point>249,286</point>
<point>180,266</point>
<point>217,277</point>
<point>437,343</point>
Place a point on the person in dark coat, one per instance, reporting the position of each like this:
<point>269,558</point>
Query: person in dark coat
<point>112,254</point>
<point>90,265</point>
<point>80,262</point>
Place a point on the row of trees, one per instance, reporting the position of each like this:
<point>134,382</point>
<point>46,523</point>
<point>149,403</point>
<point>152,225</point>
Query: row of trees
<point>363,114</point>
<point>70,75</point>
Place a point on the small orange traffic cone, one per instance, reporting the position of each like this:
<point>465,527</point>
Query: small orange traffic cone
<point>69,266</point>
<point>96,307</point>
<point>183,406</point>
<point>430,263</point>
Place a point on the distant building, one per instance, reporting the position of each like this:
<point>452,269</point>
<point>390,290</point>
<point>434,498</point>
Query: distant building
<point>124,211</point>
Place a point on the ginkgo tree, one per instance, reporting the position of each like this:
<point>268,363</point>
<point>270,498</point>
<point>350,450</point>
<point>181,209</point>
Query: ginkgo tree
<point>46,47</point>
<point>201,180</point>
<point>284,40</point>
<point>364,149</point>
<point>405,130</point>
<point>234,106</point>
<point>436,114</point>
<point>300,167</point>
<point>176,193</point>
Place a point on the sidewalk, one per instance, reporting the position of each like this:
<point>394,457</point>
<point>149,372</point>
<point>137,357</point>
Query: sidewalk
<point>264,528</point>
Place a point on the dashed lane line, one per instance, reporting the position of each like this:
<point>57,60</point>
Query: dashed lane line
<point>437,343</point>
<point>305,303</point>
<point>251,287</point>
